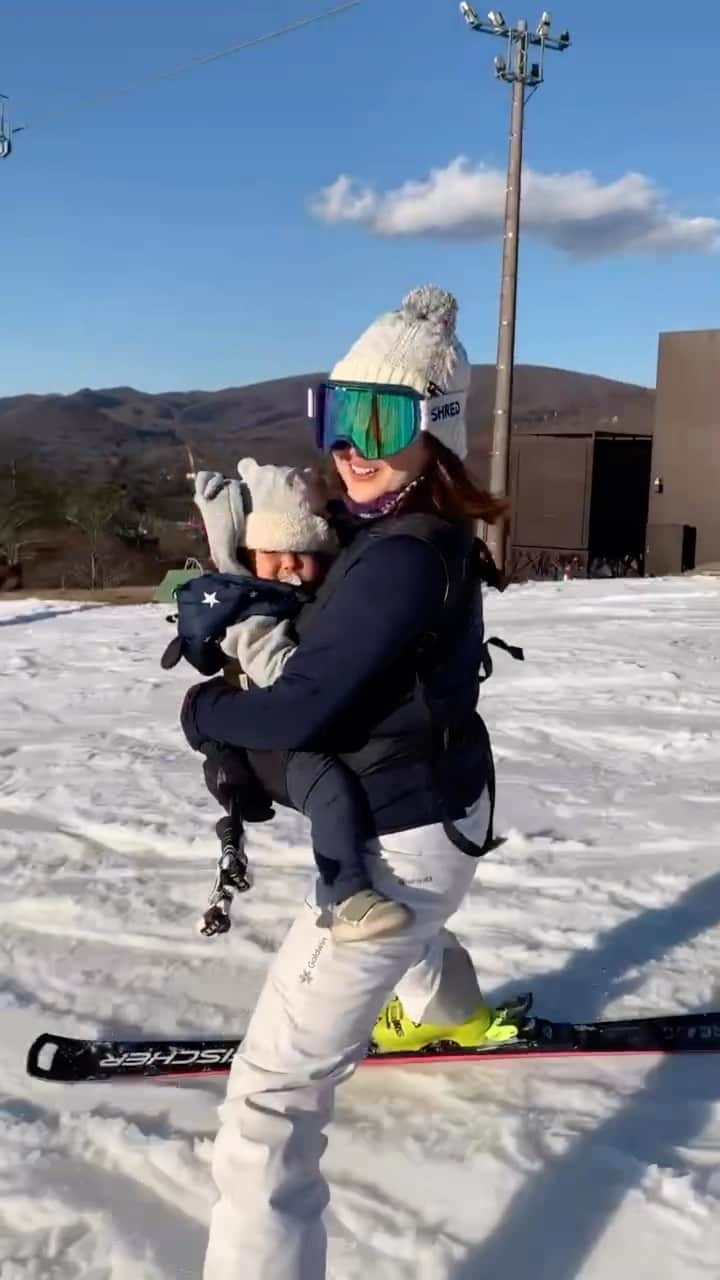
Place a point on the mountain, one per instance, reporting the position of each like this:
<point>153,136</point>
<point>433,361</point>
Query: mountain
<point>92,432</point>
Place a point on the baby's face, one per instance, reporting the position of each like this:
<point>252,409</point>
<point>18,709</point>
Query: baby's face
<point>299,568</point>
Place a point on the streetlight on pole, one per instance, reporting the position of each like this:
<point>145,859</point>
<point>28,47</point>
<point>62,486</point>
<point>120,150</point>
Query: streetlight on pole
<point>525,75</point>
<point>6,132</point>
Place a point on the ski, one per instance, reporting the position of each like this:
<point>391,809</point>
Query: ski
<point>67,1059</point>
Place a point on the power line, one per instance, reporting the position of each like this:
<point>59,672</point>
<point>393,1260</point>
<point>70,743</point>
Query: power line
<point>200,60</point>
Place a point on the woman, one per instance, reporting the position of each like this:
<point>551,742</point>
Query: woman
<point>386,675</point>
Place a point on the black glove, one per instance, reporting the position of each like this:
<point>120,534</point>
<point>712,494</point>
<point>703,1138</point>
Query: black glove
<point>194,696</point>
<point>230,779</point>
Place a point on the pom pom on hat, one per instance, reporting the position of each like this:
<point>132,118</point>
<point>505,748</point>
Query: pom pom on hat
<point>428,302</point>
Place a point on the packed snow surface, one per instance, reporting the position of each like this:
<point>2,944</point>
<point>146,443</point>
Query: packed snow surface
<point>605,899</point>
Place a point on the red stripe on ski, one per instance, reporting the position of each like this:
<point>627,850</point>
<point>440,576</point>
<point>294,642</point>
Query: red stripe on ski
<point>428,1059</point>
<point>519,1055</point>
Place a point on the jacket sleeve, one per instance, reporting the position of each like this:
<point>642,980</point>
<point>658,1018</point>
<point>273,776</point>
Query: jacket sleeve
<point>261,646</point>
<point>386,602</point>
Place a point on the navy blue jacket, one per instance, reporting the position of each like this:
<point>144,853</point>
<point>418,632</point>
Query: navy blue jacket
<point>386,675</point>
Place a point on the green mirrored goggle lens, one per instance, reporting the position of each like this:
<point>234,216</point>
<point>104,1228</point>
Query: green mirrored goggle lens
<point>378,422</point>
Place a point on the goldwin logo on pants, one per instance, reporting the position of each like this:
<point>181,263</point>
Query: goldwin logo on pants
<point>307,973</point>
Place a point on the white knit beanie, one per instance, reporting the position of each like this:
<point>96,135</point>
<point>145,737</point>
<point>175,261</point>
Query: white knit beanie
<point>281,506</point>
<point>417,347</point>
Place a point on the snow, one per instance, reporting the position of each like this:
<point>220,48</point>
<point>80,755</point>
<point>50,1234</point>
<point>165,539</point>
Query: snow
<point>605,899</point>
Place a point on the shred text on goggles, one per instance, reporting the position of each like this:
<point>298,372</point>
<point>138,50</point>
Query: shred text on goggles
<point>378,420</point>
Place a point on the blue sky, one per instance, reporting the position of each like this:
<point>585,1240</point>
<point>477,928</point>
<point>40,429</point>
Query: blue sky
<point>176,238</point>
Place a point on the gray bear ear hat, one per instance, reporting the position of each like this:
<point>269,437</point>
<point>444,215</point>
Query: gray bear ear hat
<point>282,510</point>
<point>268,509</point>
<point>417,346</point>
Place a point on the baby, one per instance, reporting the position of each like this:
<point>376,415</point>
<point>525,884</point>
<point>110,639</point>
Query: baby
<point>264,527</point>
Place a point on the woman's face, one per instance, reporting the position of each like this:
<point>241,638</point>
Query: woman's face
<point>366,481</point>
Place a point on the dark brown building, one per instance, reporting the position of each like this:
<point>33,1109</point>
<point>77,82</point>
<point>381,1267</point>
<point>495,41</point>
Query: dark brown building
<point>579,502</point>
<point>684,516</point>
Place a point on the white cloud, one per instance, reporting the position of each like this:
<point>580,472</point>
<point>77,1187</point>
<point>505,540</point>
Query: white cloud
<point>571,211</point>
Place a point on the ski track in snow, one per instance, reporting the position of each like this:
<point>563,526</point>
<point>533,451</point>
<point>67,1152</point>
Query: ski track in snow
<point>605,899</point>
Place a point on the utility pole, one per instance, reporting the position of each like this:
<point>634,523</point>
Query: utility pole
<point>525,75</point>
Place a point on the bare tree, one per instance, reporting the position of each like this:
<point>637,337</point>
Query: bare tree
<point>27,495</point>
<point>94,510</point>
<point>15,517</point>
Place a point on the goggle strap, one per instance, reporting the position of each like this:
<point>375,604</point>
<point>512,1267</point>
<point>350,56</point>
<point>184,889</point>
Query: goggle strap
<point>442,408</point>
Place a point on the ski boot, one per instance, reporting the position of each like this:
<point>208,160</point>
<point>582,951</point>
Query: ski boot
<point>395,1032</point>
<point>231,877</point>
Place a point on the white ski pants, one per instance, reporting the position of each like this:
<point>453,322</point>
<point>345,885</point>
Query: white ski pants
<point>309,1030</point>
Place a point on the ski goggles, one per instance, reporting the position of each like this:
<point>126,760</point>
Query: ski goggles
<point>377,420</point>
